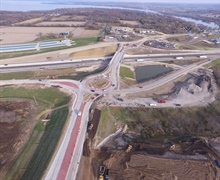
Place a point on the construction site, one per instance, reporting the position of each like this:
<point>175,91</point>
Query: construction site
<point>124,157</point>
<point>153,143</point>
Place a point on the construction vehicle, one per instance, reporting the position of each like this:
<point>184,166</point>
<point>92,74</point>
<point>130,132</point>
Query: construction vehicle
<point>101,170</point>
<point>129,148</point>
<point>90,127</point>
<point>101,177</point>
<point>106,174</point>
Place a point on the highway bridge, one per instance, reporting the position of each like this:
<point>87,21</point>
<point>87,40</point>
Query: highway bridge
<point>65,162</point>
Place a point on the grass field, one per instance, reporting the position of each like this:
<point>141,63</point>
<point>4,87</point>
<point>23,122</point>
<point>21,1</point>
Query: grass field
<point>157,122</point>
<point>184,38</point>
<point>85,41</point>
<point>16,75</point>
<point>49,96</point>
<point>199,46</point>
<point>213,36</point>
<point>106,124</point>
<point>35,154</point>
<point>47,145</point>
<point>126,72</point>
<point>215,63</point>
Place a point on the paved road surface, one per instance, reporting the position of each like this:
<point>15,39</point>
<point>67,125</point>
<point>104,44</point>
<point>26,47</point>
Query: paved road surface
<point>70,149</point>
<point>64,164</point>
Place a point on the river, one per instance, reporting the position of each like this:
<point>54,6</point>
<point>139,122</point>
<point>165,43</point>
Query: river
<point>36,5</point>
<point>211,25</point>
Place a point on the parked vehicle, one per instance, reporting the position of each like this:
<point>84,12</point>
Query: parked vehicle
<point>162,101</point>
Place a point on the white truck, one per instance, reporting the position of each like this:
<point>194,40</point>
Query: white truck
<point>178,58</point>
<point>202,57</point>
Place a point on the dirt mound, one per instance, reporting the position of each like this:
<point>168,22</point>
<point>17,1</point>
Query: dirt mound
<point>196,85</point>
<point>197,90</point>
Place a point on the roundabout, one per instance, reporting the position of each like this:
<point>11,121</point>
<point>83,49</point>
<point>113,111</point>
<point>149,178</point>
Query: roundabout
<point>98,83</point>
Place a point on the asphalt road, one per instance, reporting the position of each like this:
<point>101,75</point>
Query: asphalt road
<point>65,161</point>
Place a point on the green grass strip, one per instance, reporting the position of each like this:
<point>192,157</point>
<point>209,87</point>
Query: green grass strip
<point>126,72</point>
<point>17,75</point>
<point>46,146</point>
<point>48,95</point>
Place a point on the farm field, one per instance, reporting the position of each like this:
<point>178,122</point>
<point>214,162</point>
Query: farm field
<point>130,22</point>
<point>95,52</point>
<point>65,17</point>
<point>29,21</point>
<point>57,23</point>
<point>13,35</point>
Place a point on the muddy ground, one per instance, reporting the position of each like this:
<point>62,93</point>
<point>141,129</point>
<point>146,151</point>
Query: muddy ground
<point>14,129</point>
<point>189,158</point>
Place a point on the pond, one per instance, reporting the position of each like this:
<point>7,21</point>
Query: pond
<point>145,73</point>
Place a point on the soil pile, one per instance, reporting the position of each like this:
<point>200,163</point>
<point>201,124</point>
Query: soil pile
<point>199,89</point>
